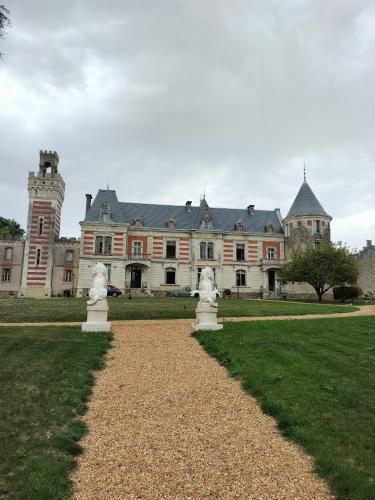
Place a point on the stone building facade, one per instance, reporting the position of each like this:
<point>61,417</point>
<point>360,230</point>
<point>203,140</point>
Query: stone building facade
<point>152,249</point>
<point>365,259</point>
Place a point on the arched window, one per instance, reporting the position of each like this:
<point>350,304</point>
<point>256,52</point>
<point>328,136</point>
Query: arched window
<point>170,276</point>
<point>240,277</point>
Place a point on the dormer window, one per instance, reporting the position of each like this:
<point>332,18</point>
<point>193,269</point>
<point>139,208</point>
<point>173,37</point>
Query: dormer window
<point>207,221</point>
<point>239,227</point>
<point>171,222</point>
<point>138,221</point>
<point>269,227</point>
<point>105,214</point>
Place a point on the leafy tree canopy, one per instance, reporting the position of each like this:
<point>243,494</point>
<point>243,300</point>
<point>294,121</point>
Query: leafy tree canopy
<point>323,267</point>
<point>4,21</point>
<point>10,227</point>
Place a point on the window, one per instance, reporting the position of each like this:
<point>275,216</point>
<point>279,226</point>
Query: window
<point>317,244</point>
<point>240,251</point>
<point>103,245</point>
<point>137,248</point>
<point>69,256</point>
<point>239,226</point>
<point>170,276</point>
<point>108,245</point>
<point>38,256</point>
<point>68,275</point>
<point>299,223</point>
<point>40,225</point>
<point>206,250</point>
<point>8,253</point>
<point>240,278</point>
<point>171,250</point>
<point>138,221</point>
<point>203,250</point>
<point>171,222</point>
<point>6,274</point>
<point>271,253</point>
<point>317,226</point>
<point>109,271</point>
<point>99,244</point>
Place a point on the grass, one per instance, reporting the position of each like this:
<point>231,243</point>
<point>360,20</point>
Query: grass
<point>71,309</point>
<point>45,380</point>
<point>317,378</point>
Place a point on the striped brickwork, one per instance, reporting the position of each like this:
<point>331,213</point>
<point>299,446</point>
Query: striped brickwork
<point>183,252</point>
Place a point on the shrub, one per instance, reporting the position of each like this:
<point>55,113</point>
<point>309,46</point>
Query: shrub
<point>344,293</point>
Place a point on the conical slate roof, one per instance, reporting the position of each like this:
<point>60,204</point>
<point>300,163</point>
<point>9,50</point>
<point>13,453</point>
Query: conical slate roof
<point>306,203</point>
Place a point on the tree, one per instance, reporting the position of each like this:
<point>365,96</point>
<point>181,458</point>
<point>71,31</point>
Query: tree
<point>10,227</point>
<point>323,267</point>
<point>4,21</point>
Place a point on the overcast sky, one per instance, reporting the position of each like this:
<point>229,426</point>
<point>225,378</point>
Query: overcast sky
<point>162,99</point>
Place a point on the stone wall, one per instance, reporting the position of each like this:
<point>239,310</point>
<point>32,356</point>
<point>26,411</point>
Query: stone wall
<point>365,259</point>
<point>15,263</point>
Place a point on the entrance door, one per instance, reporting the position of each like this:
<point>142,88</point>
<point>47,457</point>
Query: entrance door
<point>271,281</point>
<point>136,277</point>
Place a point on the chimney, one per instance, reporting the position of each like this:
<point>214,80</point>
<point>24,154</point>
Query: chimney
<point>188,206</point>
<point>369,243</point>
<point>250,209</point>
<point>88,202</point>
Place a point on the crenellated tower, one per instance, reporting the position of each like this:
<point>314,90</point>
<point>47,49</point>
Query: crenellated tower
<point>46,195</point>
<point>307,223</point>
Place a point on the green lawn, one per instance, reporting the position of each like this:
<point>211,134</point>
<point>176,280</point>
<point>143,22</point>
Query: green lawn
<point>45,379</point>
<point>71,309</point>
<point>317,378</point>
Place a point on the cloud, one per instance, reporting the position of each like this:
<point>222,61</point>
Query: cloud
<point>163,99</point>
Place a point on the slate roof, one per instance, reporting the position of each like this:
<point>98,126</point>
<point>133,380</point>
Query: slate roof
<point>156,216</point>
<point>306,203</point>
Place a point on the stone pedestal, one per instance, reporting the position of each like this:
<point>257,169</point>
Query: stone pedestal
<point>206,317</point>
<point>97,318</point>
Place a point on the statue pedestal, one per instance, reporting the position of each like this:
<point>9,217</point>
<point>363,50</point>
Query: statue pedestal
<point>206,317</point>
<point>97,318</point>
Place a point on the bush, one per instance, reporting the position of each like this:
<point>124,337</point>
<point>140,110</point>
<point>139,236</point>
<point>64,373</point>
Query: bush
<point>344,293</point>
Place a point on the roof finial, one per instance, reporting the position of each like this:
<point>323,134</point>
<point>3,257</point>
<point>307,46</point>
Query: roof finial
<point>204,193</point>
<point>107,186</point>
<point>304,171</point>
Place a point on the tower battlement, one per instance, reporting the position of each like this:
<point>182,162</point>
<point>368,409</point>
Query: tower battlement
<point>48,159</point>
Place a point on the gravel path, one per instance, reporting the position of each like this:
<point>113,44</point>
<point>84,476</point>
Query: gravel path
<point>166,422</point>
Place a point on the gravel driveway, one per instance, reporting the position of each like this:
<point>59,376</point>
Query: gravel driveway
<point>166,422</point>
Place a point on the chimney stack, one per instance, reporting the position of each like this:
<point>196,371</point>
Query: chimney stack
<point>188,206</point>
<point>88,202</point>
<point>250,209</point>
<point>369,243</point>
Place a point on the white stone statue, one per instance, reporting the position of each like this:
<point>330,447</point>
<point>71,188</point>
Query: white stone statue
<point>98,290</point>
<point>97,306</point>
<point>207,290</point>
<point>206,311</point>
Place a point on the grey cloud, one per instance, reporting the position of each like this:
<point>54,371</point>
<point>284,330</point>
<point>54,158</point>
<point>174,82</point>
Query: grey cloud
<point>164,98</point>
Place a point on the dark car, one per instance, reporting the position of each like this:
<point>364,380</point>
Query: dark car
<point>113,291</point>
<point>178,293</point>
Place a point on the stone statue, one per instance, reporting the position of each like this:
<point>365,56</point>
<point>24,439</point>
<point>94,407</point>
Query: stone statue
<point>97,306</point>
<point>207,290</point>
<point>206,311</point>
<point>98,290</point>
